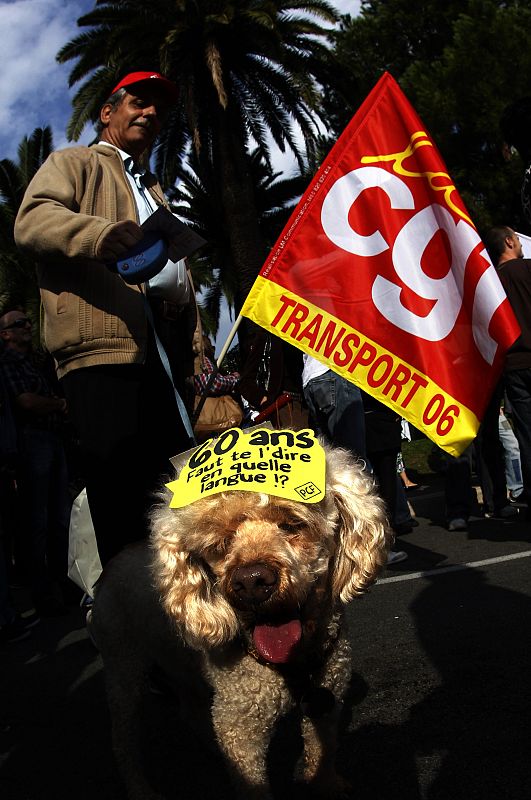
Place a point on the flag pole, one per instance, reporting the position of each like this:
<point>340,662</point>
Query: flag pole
<point>230,337</point>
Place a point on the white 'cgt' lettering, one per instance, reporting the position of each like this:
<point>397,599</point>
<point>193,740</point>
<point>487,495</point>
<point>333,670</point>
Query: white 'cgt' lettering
<point>408,249</point>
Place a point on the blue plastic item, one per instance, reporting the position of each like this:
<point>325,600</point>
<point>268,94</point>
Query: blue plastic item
<point>144,260</point>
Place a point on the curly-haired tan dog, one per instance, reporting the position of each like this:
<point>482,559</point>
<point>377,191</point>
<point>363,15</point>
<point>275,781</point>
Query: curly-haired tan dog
<point>249,593</point>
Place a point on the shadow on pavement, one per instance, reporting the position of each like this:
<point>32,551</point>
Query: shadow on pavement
<point>465,736</point>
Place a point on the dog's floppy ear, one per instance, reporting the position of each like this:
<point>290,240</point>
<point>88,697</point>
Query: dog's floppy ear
<point>363,535</point>
<point>203,616</point>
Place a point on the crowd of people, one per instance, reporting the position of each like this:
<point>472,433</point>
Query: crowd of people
<point>119,369</point>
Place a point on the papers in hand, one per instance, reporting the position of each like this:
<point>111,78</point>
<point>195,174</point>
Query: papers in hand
<point>182,240</point>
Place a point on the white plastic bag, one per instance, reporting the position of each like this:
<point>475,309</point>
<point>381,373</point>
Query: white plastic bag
<point>171,283</point>
<point>84,566</point>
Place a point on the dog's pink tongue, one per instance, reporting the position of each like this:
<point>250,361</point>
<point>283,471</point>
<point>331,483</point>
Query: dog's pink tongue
<point>276,642</point>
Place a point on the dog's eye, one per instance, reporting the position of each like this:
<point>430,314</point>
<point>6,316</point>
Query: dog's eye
<point>223,544</point>
<point>235,522</point>
<point>220,544</point>
<point>294,527</point>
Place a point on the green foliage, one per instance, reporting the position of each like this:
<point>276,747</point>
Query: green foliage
<point>18,281</point>
<point>418,459</point>
<point>460,64</point>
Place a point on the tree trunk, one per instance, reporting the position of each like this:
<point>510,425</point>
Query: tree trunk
<point>248,248</point>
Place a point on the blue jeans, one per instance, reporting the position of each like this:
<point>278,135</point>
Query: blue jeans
<point>513,468</point>
<point>45,506</point>
<point>518,389</point>
<point>336,411</point>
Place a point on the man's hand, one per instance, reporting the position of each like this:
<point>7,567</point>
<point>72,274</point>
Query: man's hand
<point>118,239</point>
<point>41,404</point>
<point>62,407</point>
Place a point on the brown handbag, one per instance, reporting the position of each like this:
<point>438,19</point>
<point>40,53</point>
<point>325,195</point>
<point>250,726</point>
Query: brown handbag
<point>218,414</point>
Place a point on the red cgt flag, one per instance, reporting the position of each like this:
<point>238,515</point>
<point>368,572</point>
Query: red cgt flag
<point>381,275</point>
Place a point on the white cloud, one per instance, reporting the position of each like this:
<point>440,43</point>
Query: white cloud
<point>34,87</point>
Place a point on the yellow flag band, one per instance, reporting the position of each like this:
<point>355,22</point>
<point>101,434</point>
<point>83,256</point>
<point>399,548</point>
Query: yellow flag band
<point>390,379</point>
<point>283,463</point>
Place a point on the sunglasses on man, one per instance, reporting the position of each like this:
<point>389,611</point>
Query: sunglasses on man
<point>21,322</point>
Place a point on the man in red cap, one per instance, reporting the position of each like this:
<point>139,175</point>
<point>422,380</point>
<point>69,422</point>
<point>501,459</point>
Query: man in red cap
<point>82,211</point>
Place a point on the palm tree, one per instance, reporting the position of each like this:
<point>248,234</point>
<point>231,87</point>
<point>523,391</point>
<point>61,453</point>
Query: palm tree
<point>247,70</point>
<point>18,281</point>
<point>196,200</point>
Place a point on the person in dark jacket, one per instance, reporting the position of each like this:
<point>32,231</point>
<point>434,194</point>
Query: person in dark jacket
<point>506,252</point>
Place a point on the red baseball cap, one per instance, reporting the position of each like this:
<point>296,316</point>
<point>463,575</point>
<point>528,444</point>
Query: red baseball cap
<point>139,77</point>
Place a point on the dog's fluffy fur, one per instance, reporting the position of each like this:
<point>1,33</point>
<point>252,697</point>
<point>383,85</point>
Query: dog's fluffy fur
<point>228,570</point>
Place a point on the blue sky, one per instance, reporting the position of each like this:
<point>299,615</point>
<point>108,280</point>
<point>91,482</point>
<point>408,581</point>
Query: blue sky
<point>34,88</point>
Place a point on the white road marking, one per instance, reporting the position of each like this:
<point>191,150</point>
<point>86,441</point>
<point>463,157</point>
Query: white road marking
<point>411,576</point>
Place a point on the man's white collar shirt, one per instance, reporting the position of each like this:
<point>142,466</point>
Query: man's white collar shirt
<point>172,282</point>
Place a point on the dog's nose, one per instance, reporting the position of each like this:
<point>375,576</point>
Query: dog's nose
<point>254,583</point>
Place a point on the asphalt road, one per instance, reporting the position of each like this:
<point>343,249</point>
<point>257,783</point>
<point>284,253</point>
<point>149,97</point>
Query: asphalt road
<point>439,707</point>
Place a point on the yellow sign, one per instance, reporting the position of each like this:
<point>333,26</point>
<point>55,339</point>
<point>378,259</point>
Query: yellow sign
<point>283,463</point>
